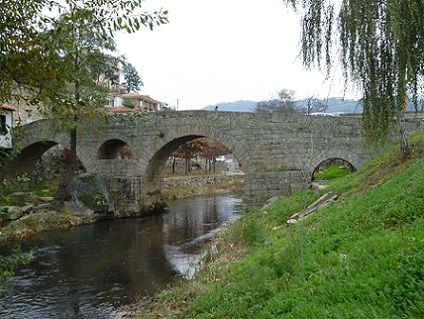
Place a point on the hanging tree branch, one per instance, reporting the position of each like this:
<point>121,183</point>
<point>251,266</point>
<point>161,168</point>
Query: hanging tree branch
<point>380,44</point>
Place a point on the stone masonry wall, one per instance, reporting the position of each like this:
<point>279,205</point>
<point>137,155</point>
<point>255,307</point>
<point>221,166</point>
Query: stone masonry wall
<point>198,181</point>
<point>274,150</point>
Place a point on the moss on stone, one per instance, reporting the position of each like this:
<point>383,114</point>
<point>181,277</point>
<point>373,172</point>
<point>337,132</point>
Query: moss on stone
<point>98,203</point>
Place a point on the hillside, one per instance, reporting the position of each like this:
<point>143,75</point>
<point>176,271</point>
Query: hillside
<point>335,105</point>
<point>361,257</point>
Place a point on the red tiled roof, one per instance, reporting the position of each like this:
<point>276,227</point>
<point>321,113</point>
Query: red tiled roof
<point>7,106</point>
<point>140,97</point>
<point>113,94</point>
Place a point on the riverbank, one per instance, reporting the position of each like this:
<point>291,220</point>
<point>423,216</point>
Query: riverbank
<point>42,221</point>
<point>359,257</point>
<point>31,212</point>
<point>131,253</point>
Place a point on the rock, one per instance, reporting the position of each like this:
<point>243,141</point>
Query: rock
<point>41,207</point>
<point>46,199</point>
<point>90,195</point>
<point>14,212</point>
<point>155,207</point>
<point>291,221</point>
<point>318,187</point>
<point>28,208</point>
<point>19,193</point>
<point>270,201</point>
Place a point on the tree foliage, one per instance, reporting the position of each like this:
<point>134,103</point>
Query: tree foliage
<point>133,80</point>
<point>28,60</point>
<point>380,44</point>
<point>55,53</point>
<point>9,263</point>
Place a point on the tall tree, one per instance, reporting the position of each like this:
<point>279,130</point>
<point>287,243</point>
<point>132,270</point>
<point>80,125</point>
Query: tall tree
<point>132,78</point>
<point>56,58</point>
<point>381,50</point>
<point>26,57</point>
<point>82,51</point>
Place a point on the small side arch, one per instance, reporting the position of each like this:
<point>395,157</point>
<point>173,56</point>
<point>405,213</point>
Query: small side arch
<point>114,149</point>
<point>340,162</point>
<point>26,160</point>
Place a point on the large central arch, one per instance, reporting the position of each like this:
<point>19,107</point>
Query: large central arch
<point>155,169</point>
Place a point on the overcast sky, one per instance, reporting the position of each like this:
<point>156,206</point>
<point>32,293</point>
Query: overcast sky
<point>216,51</point>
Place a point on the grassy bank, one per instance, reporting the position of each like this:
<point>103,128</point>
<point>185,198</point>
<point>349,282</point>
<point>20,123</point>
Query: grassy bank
<point>361,257</point>
<point>41,221</point>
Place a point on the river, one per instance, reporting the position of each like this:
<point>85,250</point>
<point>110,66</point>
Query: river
<point>89,271</point>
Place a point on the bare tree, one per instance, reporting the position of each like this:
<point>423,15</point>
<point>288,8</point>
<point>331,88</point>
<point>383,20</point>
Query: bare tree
<point>285,103</point>
<point>206,148</point>
<point>313,104</point>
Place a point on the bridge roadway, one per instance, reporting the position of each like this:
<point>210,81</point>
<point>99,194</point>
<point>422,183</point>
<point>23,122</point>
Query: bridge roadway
<point>277,152</point>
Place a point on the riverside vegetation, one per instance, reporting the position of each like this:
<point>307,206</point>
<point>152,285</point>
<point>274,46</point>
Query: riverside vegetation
<point>360,257</point>
<point>27,212</point>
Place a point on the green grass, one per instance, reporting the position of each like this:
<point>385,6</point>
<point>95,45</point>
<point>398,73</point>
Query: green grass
<point>332,172</point>
<point>47,187</point>
<point>361,257</point>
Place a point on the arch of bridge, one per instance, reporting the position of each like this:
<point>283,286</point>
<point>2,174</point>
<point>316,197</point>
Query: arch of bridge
<point>41,135</point>
<point>156,157</point>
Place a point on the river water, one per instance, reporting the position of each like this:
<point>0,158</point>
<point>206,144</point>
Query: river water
<point>89,271</point>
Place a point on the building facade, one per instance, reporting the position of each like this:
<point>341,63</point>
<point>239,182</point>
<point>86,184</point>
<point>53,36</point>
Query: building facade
<point>142,102</point>
<point>6,123</point>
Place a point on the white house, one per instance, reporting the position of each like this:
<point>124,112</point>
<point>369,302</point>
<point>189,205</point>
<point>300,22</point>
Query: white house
<point>142,102</point>
<point>6,120</point>
<point>114,100</point>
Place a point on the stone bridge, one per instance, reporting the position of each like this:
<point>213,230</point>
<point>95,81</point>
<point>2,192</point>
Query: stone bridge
<point>277,152</point>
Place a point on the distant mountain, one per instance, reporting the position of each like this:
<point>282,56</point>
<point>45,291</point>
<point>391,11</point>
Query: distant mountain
<point>238,106</point>
<point>335,105</point>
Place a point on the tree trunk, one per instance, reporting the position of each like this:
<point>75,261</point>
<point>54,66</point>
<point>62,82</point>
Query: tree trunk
<point>403,139</point>
<point>173,165</point>
<point>70,170</point>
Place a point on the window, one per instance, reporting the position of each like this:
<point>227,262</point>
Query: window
<point>3,126</point>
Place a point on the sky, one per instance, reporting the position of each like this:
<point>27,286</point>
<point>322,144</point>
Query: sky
<point>215,51</point>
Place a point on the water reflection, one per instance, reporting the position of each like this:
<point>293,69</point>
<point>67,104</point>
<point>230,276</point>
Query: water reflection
<point>88,271</point>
